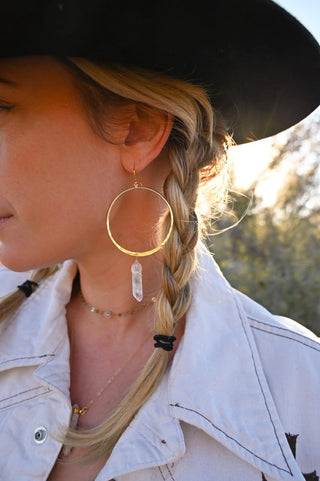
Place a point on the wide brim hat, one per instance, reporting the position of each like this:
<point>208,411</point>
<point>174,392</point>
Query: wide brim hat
<point>260,66</point>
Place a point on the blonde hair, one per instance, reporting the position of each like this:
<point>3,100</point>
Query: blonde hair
<point>196,150</point>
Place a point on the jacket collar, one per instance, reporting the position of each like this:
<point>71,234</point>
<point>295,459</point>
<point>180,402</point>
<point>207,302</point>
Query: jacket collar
<point>235,405</point>
<point>216,383</point>
<point>37,331</point>
<point>218,358</point>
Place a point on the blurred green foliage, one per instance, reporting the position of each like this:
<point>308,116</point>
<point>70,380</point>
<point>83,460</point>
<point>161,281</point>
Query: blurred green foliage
<point>273,254</point>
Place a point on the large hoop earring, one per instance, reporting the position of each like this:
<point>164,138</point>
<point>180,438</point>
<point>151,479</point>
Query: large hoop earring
<point>136,268</point>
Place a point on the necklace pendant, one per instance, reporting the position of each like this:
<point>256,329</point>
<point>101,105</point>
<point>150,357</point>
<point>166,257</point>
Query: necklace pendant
<point>66,450</point>
<point>137,290</point>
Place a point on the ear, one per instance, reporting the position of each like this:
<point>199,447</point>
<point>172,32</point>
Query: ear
<point>146,136</point>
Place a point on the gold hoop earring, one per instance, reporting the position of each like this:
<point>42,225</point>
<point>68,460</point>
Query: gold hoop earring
<point>136,268</point>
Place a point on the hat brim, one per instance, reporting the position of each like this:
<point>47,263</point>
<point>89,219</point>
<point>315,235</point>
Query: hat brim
<point>260,66</point>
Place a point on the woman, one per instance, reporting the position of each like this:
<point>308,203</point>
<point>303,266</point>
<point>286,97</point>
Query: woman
<point>107,373</point>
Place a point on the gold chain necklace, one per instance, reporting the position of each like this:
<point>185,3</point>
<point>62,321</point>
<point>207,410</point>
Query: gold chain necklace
<point>81,411</point>
<point>85,409</point>
<point>77,411</point>
<point>108,314</point>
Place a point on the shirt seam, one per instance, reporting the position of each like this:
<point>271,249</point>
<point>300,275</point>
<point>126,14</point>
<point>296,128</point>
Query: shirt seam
<point>162,475</point>
<point>169,471</point>
<point>307,339</point>
<point>25,400</point>
<point>41,356</point>
<point>285,337</point>
<point>22,392</point>
<point>263,394</point>
<point>177,405</point>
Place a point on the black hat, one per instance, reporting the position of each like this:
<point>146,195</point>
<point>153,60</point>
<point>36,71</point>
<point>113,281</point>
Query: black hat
<point>259,64</point>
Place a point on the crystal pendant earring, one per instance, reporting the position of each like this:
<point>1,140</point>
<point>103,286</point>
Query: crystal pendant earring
<point>136,268</point>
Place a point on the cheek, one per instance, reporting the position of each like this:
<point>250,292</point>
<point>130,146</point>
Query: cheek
<point>57,198</point>
<point>55,176</point>
<point>49,228</point>
<point>41,165</point>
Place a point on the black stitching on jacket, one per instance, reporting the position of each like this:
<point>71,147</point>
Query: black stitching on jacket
<point>23,392</point>
<point>292,441</point>
<point>263,394</point>
<point>228,436</point>
<point>161,473</point>
<point>26,357</point>
<point>169,471</point>
<point>282,335</point>
<point>281,328</point>
<point>23,400</point>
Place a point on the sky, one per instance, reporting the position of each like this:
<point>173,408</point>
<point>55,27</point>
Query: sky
<point>306,11</point>
<point>251,159</point>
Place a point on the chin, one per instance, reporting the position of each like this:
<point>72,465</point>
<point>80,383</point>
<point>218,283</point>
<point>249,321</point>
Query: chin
<point>21,262</point>
<point>14,265</point>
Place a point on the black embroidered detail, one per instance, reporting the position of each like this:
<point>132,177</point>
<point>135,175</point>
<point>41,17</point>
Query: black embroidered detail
<point>166,342</point>
<point>311,476</point>
<point>292,441</point>
<point>28,287</point>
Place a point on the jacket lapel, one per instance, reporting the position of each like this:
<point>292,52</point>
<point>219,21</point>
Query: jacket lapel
<point>153,439</point>
<point>217,383</point>
<point>43,320</point>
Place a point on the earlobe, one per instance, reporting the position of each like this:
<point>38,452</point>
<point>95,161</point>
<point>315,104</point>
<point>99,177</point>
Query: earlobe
<point>147,136</point>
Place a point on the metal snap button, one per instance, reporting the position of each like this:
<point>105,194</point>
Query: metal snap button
<point>40,435</point>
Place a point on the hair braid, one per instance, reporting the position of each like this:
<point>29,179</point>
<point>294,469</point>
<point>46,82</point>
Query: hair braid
<point>179,256</point>
<point>12,301</point>
<point>188,153</point>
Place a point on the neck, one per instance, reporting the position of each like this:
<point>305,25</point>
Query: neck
<point>105,283</point>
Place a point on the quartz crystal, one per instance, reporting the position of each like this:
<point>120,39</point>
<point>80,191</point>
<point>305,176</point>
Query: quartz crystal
<point>66,450</point>
<point>137,291</point>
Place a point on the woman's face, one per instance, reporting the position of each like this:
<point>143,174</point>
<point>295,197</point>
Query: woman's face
<point>57,176</point>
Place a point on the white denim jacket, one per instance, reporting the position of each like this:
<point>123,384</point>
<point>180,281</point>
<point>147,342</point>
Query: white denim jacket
<point>241,383</point>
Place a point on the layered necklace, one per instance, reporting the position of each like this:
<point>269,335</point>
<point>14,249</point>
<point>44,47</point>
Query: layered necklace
<point>78,411</point>
<point>108,314</point>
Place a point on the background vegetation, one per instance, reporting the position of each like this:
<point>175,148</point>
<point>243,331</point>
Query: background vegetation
<point>273,254</point>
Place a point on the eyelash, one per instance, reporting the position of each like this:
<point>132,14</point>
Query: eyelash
<point>5,107</point>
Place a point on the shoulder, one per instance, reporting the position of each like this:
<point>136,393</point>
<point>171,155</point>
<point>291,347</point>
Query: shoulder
<point>211,288</point>
<point>270,325</point>
<point>9,280</point>
<point>289,354</point>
